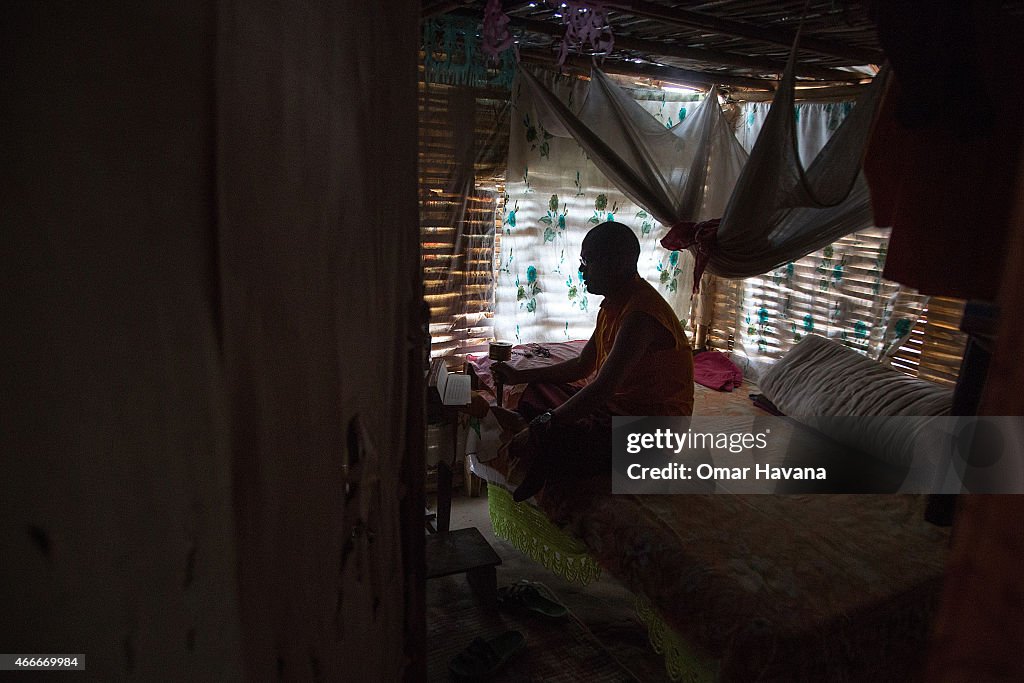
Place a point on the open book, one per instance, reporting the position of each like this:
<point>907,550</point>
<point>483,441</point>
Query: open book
<point>452,388</point>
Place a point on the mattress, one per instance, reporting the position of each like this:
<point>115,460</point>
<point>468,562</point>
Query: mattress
<point>816,587</point>
<point>779,587</point>
<point>813,587</point>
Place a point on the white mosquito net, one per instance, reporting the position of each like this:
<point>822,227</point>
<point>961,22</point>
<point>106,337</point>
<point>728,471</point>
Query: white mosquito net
<point>779,211</point>
<point>772,209</point>
<point>683,173</point>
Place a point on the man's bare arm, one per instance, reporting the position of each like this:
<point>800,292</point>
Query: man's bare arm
<point>638,334</point>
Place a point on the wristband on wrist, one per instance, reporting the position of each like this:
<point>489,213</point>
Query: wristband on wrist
<point>542,423</point>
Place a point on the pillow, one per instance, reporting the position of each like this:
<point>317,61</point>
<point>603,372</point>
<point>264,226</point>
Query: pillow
<point>821,378</point>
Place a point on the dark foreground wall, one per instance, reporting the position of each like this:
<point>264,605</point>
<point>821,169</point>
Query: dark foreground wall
<point>208,285</point>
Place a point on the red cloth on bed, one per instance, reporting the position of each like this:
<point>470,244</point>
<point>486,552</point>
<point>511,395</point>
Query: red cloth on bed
<point>714,370</point>
<point>524,357</point>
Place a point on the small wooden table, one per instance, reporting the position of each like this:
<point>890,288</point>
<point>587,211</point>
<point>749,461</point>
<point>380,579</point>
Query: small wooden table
<point>462,550</point>
<point>444,417</point>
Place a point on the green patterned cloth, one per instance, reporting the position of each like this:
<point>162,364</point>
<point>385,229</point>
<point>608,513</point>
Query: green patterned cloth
<point>526,528</point>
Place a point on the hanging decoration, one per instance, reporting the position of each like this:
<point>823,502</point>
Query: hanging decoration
<point>496,36</point>
<point>453,54</point>
<point>586,23</point>
<point>699,238</point>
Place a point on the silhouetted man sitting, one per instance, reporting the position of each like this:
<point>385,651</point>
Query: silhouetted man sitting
<point>638,357</point>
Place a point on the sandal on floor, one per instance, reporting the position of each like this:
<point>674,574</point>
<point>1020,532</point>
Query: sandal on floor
<point>532,596</point>
<point>483,658</point>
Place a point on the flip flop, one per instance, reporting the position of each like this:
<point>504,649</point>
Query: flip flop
<point>483,658</point>
<point>532,596</point>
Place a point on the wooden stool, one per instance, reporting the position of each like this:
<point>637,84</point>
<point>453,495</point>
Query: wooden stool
<point>465,551</point>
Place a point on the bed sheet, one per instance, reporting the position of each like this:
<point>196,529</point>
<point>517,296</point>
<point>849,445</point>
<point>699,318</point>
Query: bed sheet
<point>812,587</point>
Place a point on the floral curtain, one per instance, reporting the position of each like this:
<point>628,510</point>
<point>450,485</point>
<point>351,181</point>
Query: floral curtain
<point>838,291</point>
<point>554,195</point>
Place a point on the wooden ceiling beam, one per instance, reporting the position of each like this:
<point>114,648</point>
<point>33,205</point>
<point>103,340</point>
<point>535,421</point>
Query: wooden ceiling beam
<point>671,74</point>
<point>729,27</point>
<point>828,93</point>
<point>682,52</point>
<point>428,10</point>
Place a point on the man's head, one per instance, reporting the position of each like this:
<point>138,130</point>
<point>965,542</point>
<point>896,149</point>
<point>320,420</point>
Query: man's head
<point>608,257</point>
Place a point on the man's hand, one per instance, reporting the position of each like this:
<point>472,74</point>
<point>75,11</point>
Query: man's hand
<point>505,373</point>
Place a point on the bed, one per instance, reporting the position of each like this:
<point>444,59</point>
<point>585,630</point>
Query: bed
<point>734,587</point>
